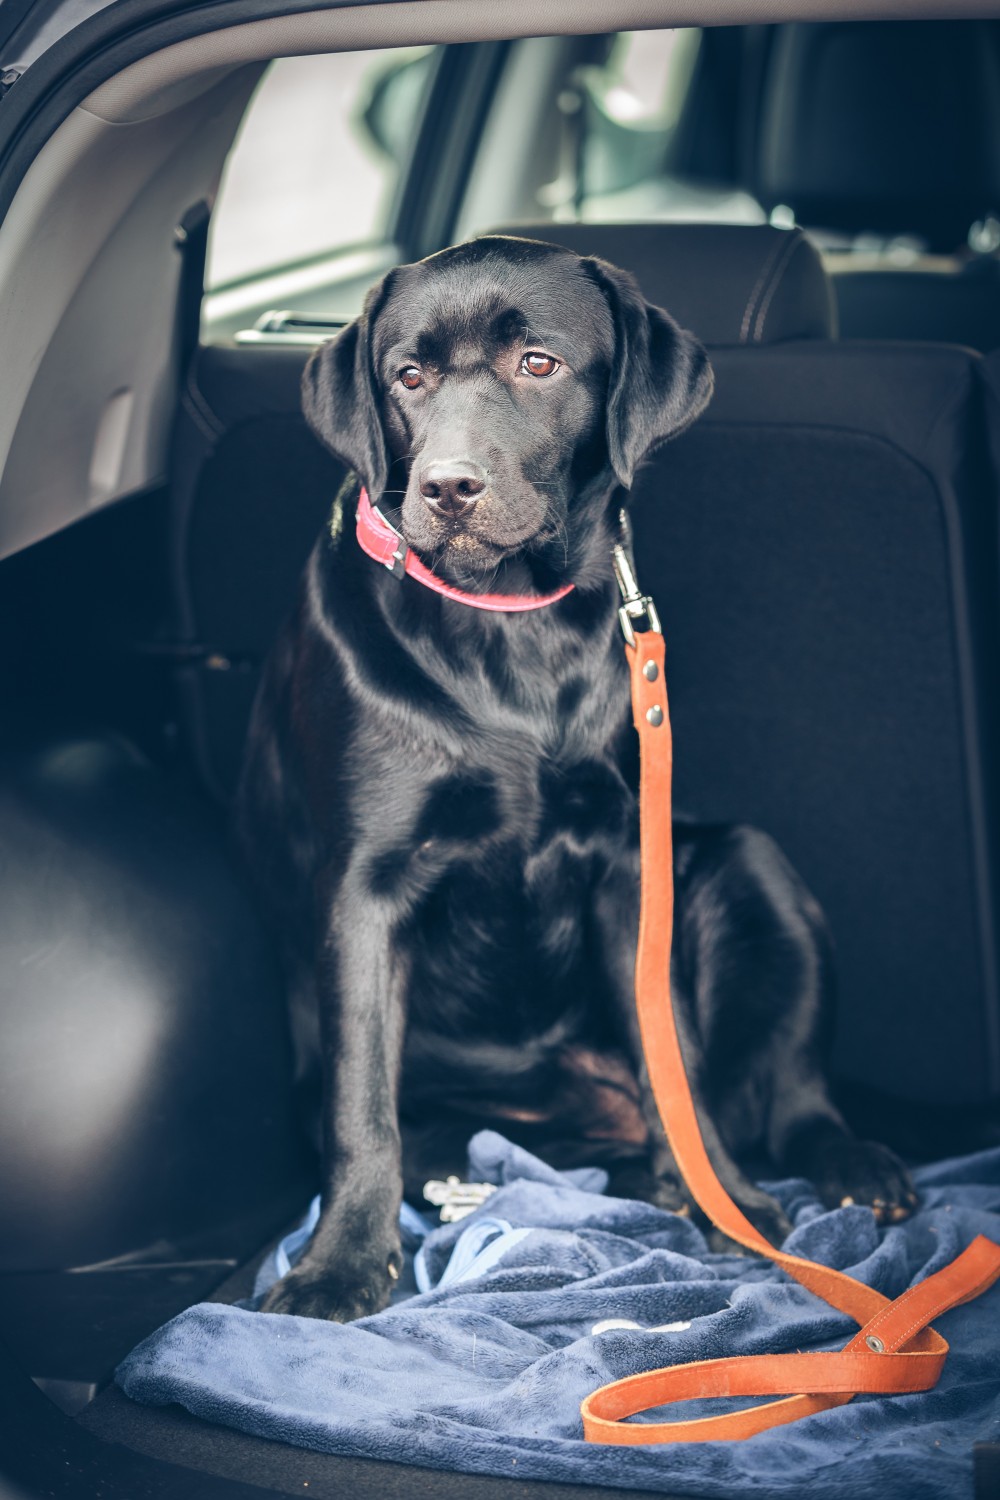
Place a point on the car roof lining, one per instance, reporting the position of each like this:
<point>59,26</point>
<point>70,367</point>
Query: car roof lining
<point>403,23</point>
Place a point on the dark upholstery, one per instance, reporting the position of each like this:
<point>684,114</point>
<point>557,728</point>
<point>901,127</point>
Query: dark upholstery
<point>822,546</point>
<point>892,128</point>
<point>885,127</point>
<point>251,490</point>
<point>145,1104</point>
<point>750,284</point>
<point>251,487</point>
<point>991,376</point>
<point>955,304</point>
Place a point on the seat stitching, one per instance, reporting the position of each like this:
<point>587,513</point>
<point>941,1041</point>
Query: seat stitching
<point>191,407</point>
<point>757,287</point>
<point>779,273</point>
<point>199,400</point>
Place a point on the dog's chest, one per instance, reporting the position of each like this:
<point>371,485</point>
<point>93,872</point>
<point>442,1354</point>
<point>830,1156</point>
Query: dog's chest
<point>504,944</point>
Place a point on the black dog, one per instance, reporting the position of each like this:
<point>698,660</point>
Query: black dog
<point>440,802</point>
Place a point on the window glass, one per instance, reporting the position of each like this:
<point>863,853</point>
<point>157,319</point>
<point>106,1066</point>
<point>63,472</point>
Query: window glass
<point>318,158</point>
<point>604,137</point>
<point>630,164</point>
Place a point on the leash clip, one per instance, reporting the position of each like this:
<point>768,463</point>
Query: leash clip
<point>635,604</point>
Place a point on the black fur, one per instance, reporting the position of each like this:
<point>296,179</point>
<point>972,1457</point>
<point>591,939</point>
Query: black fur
<point>440,803</point>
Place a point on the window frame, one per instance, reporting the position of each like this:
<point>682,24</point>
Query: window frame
<point>423,210</point>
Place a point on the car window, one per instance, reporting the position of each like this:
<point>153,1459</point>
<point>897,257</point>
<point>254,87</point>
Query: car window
<point>611,146</point>
<point>632,160</point>
<point>631,107</point>
<point>317,160</point>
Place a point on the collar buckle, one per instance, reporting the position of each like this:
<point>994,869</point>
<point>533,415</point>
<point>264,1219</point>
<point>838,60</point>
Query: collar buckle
<point>397,562</point>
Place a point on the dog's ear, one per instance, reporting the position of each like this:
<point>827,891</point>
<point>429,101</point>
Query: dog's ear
<point>341,401</point>
<point>661,379</point>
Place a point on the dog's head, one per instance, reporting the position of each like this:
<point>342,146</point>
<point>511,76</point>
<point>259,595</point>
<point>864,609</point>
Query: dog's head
<point>500,379</point>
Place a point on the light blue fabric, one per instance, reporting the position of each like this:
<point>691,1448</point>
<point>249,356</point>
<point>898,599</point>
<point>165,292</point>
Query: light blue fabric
<point>486,1374</point>
<point>479,1247</point>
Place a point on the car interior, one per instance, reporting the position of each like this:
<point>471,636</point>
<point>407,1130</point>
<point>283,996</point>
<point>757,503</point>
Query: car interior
<point>820,203</point>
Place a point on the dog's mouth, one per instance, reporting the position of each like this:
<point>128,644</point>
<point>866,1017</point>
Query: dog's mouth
<point>460,554</point>
<point>461,541</point>
<point>509,538</point>
<point>471,558</point>
<point>438,540</point>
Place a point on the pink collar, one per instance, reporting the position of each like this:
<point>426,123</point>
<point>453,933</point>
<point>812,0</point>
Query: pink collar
<point>384,543</point>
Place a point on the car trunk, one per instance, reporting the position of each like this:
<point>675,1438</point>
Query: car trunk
<point>820,552</point>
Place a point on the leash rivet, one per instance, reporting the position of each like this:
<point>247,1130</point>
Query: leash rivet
<point>875,1344</point>
<point>651,671</point>
<point>654,715</point>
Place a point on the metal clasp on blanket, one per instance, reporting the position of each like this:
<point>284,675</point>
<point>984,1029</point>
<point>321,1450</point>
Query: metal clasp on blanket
<point>455,1199</point>
<point>635,604</point>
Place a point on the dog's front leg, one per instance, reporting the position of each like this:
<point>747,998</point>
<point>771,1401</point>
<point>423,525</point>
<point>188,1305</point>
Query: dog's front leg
<point>354,1257</point>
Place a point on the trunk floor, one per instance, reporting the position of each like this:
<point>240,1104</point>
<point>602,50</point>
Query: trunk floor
<point>170,1433</point>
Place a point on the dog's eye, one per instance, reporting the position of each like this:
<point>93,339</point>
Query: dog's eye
<point>539,364</point>
<point>411,377</point>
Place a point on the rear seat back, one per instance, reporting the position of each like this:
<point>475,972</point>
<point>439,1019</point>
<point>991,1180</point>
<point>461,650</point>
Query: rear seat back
<point>822,546</point>
<point>251,488</point>
<point>891,129</point>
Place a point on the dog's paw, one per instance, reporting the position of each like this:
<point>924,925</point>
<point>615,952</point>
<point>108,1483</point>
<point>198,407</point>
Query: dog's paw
<point>846,1171</point>
<point>765,1214</point>
<point>637,1180</point>
<point>352,1288</point>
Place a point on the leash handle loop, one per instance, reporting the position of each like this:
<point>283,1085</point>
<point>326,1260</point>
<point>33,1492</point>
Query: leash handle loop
<point>895,1349</point>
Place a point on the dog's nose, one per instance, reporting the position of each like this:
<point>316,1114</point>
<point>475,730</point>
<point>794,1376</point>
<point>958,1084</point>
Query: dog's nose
<point>452,488</point>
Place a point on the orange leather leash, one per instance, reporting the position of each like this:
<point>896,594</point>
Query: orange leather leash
<point>895,1350</point>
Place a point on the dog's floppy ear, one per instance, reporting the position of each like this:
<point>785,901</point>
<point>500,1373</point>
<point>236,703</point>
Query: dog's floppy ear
<point>660,375</point>
<point>340,397</point>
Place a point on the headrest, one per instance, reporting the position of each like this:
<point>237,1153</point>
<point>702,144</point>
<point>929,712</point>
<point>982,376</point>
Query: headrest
<point>728,283</point>
<point>890,127</point>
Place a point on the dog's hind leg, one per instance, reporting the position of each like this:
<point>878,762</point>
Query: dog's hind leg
<point>756,946</point>
<point>615,912</point>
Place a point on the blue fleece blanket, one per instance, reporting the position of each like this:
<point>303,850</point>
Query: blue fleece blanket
<point>484,1373</point>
